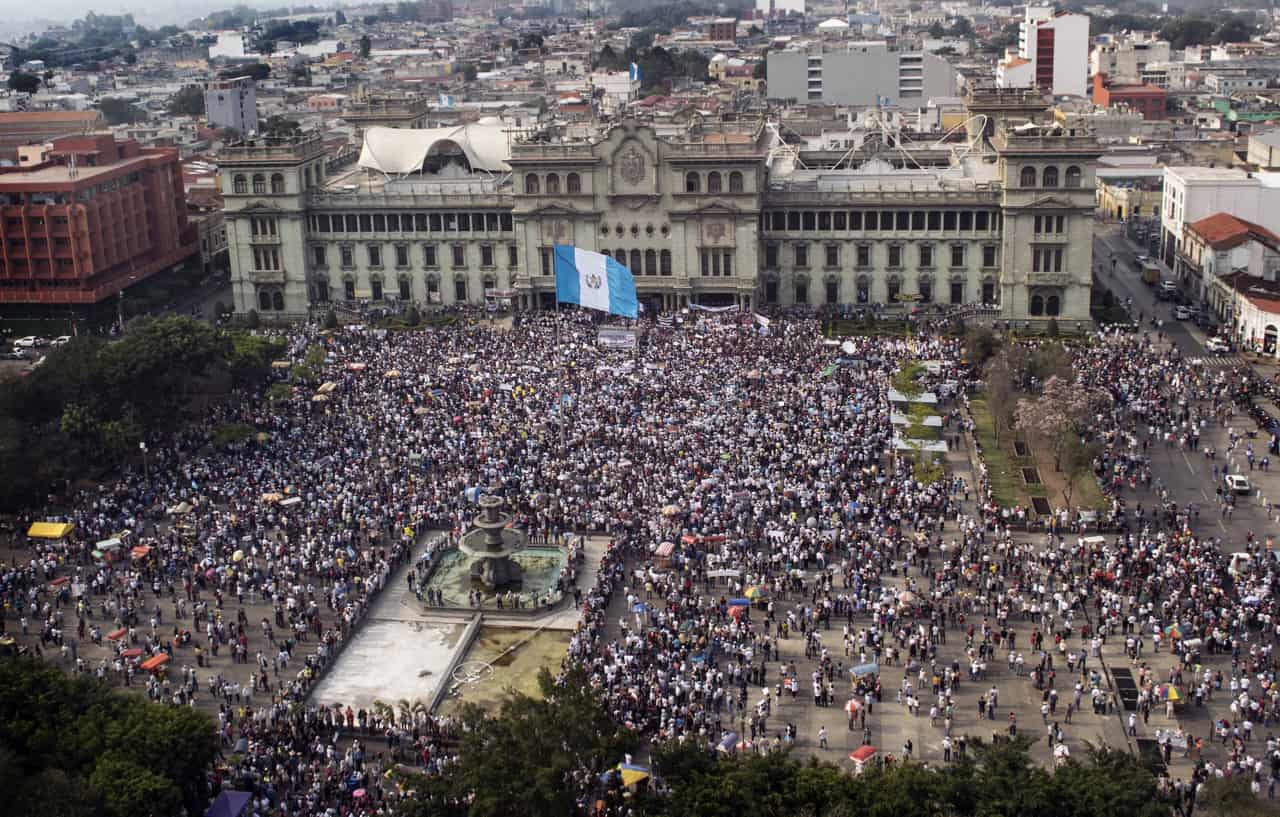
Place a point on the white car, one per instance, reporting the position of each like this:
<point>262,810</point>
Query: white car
<point>1182,313</point>
<point>1237,483</point>
<point>1217,346</point>
<point>29,342</point>
<point>61,340</point>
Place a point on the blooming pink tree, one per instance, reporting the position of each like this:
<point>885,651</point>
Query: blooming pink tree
<point>1056,415</point>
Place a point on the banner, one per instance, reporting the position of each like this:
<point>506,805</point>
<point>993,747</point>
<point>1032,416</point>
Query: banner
<point>714,309</point>
<point>616,338</point>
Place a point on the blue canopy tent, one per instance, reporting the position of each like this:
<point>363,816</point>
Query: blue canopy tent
<point>229,804</point>
<point>864,669</point>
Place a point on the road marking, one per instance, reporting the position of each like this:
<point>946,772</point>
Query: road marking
<point>1188,462</point>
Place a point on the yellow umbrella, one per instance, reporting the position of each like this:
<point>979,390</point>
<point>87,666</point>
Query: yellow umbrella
<point>632,774</point>
<point>754,593</point>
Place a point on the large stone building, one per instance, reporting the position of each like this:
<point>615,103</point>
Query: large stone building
<point>716,216</point>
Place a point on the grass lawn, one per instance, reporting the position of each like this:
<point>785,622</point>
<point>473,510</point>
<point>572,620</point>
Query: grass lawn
<point>1006,482</point>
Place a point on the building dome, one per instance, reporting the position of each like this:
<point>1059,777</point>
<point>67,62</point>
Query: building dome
<point>834,24</point>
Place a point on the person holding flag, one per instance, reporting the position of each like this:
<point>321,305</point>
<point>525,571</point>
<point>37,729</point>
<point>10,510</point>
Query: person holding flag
<point>595,281</point>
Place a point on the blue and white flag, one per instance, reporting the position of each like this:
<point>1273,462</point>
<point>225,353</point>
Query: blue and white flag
<point>595,281</point>
<point>448,100</point>
<point>635,72</point>
<point>472,494</point>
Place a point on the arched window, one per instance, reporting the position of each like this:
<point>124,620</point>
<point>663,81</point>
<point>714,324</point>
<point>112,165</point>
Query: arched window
<point>713,182</point>
<point>531,185</point>
<point>692,182</point>
<point>635,262</point>
<point>620,256</point>
<point>1073,176</point>
<point>664,260</point>
<point>573,183</point>
<point>264,300</point>
<point>650,262</point>
<point>1028,177</point>
<point>735,182</point>
<point>259,183</point>
<point>1052,305</point>
<point>240,184</point>
<point>277,300</point>
<point>553,184</point>
<point>277,183</point>
<point>1037,305</point>
<point>1050,177</point>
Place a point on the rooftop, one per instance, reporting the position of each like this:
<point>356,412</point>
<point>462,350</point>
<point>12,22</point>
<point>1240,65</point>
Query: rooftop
<point>63,174</point>
<point>1223,231</point>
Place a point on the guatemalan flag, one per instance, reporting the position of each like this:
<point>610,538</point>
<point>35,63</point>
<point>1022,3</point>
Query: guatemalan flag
<point>595,281</point>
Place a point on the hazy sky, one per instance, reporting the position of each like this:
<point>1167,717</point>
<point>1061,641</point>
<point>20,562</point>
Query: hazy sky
<point>17,16</point>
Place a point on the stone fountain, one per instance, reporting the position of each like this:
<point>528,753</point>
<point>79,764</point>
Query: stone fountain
<point>490,546</point>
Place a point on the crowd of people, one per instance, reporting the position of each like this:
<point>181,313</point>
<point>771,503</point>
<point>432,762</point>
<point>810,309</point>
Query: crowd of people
<point>756,496</point>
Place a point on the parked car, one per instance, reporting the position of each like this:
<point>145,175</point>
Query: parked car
<point>1165,290</point>
<point>61,340</point>
<point>1237,483</point>
<point>1182,313</point>
<point>29,342</point>
<point>1217,345</point>
<point>13,354</point>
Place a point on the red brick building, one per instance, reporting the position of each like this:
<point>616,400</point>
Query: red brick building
<point>97,217</point>
<point>1148,100</point>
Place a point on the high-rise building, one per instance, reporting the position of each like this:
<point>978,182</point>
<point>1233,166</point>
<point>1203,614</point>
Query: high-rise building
<point>95,217</point>
<point>861,73</point>
<point>1052,56</point>
<point>232,103</point>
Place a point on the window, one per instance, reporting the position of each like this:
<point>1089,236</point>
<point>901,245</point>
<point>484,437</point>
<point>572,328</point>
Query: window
<point>379,223</point>
<point>573,183</point>
<point>264,300</point>
<point>982,221</point>
<point>810,221</point>
<point>402,256</point>
<point>824,221</point>
<point>405,293</point>
<point>966,221</point>
<point>635,265</point>
<point>957,255</point>
<point>793,220</point>
<point>713,182</point>
<point>1037,305</point>
<point>833,292</point>
<point>926,290</point>
<point>650,262</point>
<point>872,220</point>
<point>486,255</point>
<point>433,289</point>
<point>1050,177</point>
<point>771,256</point>
<point>1073,176</point>
<point>459,256</point>
<point>839,219</point>
<point>989,292</point>
<point>864,290</point>
<point>347,260</point>
<point>322,223</point>
<point>277,183</point>
<point>366,223</point>
<point>935,220</point>
<point>692,182</point>
<point>926,255</point>
<point>864,255</point>
<point>318,258</point>
<point>531,186</point>
<point>802,292</point>
<point>349,289</point>
<point>259,183</point>
<point>553,184</point>
<point>277,300</point>
<point>240,185</point>
<point>833,255</point>
<point>375,255</point>
<point>375,285</point>
<point>988,255</point>
<point>801,255</point>
<point>855,220</point>
<point>351,223</point>
<point>735,182</point>
<point>957,292</point>
<point>513,256</point>
<point>895,289</point>
<point>903,220</point>
<point>664,262</point>
<point>948,222</point>
<point>460,290</point>
<point>771,292</point>
<point>1052,305</point>
<point>322,291</point>
<point>895,256</point>
<point>1028,178</point>
<point>429,259</point>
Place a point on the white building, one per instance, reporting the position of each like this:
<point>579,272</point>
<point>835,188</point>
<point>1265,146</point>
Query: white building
<point>230,46</point>
<point>1125,60</point>
<point>1053,54</point>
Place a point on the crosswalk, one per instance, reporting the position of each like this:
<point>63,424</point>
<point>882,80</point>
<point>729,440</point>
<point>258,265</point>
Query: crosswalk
<point>1219,361</point>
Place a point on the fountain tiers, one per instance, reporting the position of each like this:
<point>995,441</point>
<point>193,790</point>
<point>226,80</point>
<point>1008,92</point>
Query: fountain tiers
<point>490,546</point>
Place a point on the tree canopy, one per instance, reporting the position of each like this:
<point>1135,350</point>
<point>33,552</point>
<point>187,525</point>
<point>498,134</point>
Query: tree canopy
<point>71,746</point>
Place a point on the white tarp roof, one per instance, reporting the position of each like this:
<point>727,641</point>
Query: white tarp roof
<point>402,150</point>
<point>930,421</point>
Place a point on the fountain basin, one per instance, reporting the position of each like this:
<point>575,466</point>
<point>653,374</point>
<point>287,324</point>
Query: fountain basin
<point>538,567</point>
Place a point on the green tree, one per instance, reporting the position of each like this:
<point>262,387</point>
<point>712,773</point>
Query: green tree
<point>23,82</point>
<point>470,72</point>
<point>411,316</point>
<point>187,102</point>
<point>330,320</point>
<point>365,46</point>
<point>119,111</point>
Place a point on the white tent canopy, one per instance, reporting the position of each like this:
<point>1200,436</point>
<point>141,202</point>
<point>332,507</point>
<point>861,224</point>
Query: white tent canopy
<point>398,151</point>
<point>931,421</point>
